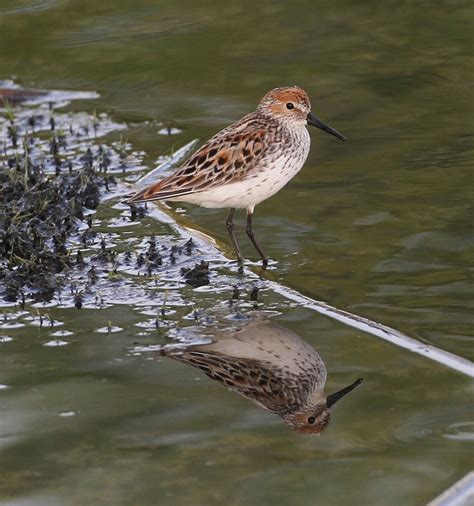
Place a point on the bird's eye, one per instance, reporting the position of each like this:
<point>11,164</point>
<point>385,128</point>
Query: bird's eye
<point>289,105</point>
<point>311,420</point>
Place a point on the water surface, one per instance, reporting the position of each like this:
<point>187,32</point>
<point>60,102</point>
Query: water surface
<point>380,225</point>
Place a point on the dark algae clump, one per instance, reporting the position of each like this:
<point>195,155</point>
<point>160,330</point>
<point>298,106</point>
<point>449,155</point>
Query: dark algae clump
<point>39,215</point>
<point>66,238</point>
<point>47,189</point>
<point>56,171</point>
<point>198,275</point>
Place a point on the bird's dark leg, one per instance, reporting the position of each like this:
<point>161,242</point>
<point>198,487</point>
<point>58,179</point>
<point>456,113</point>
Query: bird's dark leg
<point>251,236</point>
<point>230,228</point>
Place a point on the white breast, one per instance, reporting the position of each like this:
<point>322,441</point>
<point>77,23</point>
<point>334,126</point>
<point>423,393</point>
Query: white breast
<point>268,178</point>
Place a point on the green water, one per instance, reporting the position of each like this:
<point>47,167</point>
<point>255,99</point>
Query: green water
<point>381,225</point>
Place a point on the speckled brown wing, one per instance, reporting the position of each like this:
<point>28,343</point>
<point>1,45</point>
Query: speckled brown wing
<point>226,158</point>
<point>271,388</point>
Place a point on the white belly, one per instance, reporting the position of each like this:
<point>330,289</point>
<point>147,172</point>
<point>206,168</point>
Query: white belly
<point>267,180</point>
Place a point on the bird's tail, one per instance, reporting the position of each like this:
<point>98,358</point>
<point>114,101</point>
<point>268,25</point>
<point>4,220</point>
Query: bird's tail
<point>151,192</point>
<point>157,191</point>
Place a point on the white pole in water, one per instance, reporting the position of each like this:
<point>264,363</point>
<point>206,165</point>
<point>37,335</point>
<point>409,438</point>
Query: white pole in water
<point>459,494</point>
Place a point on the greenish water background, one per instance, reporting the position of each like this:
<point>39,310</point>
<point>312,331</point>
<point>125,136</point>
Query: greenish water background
<point>380,225</point>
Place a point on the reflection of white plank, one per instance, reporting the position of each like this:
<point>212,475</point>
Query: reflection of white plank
<point>377,329</point>
<point>161,214</point>
<point>459,494</point>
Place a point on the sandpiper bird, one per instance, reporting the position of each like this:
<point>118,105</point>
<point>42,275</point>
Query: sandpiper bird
<point>271,366</point>
<point>247,162</point>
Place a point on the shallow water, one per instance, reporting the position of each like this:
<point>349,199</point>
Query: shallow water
<point>380,225</point>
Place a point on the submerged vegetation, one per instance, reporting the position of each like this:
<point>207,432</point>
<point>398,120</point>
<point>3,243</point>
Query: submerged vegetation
<point>56,168</point>
<point>53,175</point>
<point>40,215</point>
<point>49,188</point>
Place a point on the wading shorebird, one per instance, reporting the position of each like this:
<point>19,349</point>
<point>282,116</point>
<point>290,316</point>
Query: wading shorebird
<point>271,366</point>
<point>247,162</point>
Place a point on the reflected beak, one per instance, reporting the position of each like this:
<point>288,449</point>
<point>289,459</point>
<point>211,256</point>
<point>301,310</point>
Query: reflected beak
<point>312,120</point>
<point>333,398</point>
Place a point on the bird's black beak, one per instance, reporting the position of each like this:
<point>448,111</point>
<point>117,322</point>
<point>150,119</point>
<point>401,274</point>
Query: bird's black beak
<point>333,398</point>
<point>312,120</point>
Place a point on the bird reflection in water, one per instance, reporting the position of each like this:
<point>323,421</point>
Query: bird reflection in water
<point>271,366</point>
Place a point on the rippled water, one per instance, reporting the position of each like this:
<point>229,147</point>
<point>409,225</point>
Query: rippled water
<point>380,225</point>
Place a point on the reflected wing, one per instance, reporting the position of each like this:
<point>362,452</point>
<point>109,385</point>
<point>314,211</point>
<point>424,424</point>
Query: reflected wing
<point>272,389</point>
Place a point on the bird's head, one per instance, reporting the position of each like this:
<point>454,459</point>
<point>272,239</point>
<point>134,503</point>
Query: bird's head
<point>291,105</point>
<point>314,418</point>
